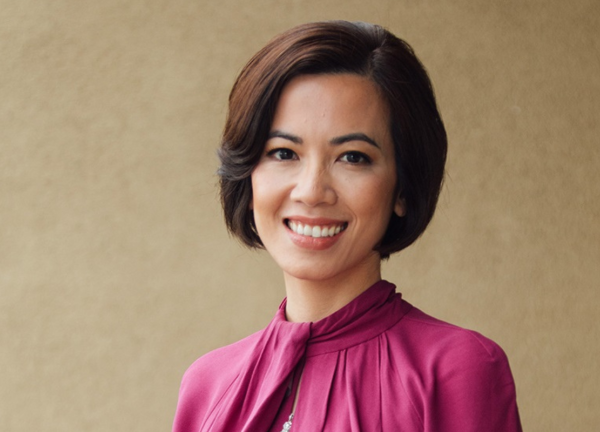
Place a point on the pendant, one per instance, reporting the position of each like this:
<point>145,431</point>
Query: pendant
<point>288,424</point>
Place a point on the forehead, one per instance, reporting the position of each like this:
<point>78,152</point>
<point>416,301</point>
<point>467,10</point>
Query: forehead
<point>337,102</point>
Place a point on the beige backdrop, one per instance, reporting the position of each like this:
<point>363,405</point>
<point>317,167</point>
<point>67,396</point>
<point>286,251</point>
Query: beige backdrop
<point>115,268</point>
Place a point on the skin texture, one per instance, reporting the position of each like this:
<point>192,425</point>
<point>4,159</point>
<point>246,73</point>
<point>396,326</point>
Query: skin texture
<point>329,161</point>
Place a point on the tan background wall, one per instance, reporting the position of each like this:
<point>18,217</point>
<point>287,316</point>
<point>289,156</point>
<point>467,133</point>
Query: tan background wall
<point>116,271</point>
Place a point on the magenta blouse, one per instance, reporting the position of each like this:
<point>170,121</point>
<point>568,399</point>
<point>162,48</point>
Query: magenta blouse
<point>378,364</point>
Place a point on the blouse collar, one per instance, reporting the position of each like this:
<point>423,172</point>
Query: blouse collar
<point>367,316</point>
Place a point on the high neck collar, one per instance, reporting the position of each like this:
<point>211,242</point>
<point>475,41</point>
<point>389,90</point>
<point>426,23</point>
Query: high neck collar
<point>252,401</point>
<point>365,317</point>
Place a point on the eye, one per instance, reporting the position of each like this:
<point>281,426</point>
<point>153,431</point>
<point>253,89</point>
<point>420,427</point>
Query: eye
<point>355,158</point>
<point>282,154</point>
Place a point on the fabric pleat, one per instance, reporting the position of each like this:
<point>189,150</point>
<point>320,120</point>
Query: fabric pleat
<point>253,400</point>
<point>259,389</point>
<point>317,380</point>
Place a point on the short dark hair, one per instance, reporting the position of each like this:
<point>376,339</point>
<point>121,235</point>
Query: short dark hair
<point>337,47</point>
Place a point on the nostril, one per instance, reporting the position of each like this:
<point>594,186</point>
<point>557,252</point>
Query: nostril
<point>313,191</point>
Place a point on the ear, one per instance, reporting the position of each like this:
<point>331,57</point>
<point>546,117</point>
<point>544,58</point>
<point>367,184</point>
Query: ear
<point>400,207</point>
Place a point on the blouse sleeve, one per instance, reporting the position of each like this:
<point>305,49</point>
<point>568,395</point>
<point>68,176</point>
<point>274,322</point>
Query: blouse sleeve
<point>475,390</point>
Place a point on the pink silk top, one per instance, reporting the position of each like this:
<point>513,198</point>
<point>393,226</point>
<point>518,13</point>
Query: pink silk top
<point>378,364</point>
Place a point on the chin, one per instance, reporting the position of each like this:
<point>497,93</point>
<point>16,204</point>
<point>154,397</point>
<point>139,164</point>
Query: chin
<point>309,274</point>
<point>321,270</point>
<point>307,270</point>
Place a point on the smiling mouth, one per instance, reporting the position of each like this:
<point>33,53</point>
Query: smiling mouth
<point>316,231</point>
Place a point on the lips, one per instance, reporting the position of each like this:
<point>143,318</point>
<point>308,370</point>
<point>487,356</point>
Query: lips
<point>315,231</point>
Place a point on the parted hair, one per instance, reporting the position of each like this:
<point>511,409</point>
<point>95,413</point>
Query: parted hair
<point>337,47</point>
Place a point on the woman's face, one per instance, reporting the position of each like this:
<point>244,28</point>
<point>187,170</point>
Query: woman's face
<point>323,191</point>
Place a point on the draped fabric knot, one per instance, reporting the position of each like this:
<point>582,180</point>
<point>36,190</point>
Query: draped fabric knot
<point>253,400</point>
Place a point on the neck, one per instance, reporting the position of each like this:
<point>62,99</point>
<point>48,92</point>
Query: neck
<point>313,300</point>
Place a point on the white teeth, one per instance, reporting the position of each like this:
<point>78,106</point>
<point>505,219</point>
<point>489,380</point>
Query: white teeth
<point>314,231</point>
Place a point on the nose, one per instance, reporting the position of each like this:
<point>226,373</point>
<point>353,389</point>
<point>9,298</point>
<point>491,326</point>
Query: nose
<point>314,186</point>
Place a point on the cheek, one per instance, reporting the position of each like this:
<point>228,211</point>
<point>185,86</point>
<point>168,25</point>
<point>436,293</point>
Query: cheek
<point>375,195</point>
<point>259,183</point>
<point>265,194</point>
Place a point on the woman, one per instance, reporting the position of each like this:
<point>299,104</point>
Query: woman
<point>332,159</point>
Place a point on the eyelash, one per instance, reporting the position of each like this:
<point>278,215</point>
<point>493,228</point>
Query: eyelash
<point>276,153</point>
<point>364,159</point>
<point>291,155</point>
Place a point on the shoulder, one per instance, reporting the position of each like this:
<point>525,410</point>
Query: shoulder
<point>456,378</point>
<point>445,345</point>
<point>206,380</point>
<point>220,366</point>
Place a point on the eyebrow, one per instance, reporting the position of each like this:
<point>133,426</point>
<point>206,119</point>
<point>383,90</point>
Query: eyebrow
<point>279,134</point>
<point>357,136</point>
